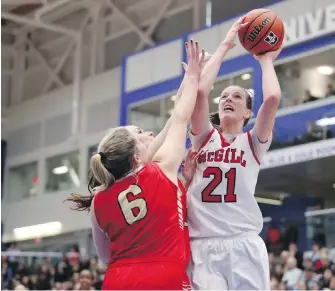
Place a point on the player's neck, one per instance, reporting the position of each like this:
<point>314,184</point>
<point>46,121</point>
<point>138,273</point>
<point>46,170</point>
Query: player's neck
<point>231,128</point>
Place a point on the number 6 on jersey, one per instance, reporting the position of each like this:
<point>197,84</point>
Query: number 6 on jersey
<point>135,209</point>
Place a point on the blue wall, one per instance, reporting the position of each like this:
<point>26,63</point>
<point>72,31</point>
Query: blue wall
<point>293,209</point>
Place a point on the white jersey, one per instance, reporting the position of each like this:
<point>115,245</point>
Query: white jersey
<point>221,200</point>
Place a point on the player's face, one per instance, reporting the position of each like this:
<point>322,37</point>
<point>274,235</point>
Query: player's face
<point>144,139</point>
<point>233,105</point>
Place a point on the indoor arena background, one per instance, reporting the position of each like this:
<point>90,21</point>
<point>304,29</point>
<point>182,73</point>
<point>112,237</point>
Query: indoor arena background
<point>71,69</point>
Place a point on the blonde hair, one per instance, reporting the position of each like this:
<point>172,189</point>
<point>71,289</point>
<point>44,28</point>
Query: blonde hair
<point>113,161</point>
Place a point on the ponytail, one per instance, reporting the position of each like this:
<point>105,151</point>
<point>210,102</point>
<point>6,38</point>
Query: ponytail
<point>114,161</point>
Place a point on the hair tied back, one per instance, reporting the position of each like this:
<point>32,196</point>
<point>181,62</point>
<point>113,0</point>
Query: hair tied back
<point>251,93</point>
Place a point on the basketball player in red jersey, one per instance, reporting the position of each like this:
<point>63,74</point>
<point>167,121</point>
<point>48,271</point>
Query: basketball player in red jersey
<point>223,216</point>
<point>138,212</point>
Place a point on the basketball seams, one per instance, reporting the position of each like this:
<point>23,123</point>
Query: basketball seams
<point>246,30</point>
<point>262,38</point>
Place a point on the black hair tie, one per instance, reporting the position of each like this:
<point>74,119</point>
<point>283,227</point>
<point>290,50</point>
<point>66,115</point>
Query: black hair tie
<point>102,155</point>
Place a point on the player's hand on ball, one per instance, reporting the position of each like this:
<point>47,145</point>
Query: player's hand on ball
<point>272,55</point>
<point>231,35</point>
<point>195,59</point>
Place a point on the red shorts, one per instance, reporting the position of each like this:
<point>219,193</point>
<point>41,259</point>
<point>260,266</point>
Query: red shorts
<point>130,274</point>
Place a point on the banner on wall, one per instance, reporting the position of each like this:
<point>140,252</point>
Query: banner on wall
<point>310,25</point>
<point>298,154</point>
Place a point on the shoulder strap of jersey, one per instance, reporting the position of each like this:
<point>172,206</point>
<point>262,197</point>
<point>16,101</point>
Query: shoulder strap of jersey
<point>252,147</point>
<point>207,139</point>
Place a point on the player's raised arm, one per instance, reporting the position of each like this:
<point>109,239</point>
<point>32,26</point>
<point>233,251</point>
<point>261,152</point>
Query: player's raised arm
<point>171,153</point>
<point>200,117</point>
<point>271,96</point>
<point>159,139</point>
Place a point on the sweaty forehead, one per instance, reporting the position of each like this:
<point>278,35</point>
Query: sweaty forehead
<point>232,90</point>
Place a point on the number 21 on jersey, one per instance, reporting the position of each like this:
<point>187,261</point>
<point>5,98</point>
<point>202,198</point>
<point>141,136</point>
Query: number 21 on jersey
<point>216,173</point>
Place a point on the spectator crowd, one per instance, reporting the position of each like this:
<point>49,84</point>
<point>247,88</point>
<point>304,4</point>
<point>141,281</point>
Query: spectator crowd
<point>290,270</point>
<point>66,273</point>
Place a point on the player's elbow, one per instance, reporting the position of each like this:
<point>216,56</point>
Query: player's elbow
<point>180,117</point>
<point>272,100</point>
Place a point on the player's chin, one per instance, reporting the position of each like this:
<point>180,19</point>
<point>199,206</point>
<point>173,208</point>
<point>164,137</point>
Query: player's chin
<point>227,116</point>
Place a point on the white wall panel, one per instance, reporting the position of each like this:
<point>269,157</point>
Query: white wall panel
<point>208,39</point>
<point>139,70</point>
<point>24,140</point>
<point>163,69</point>
<point>155,65</point>
<point>57,129</point>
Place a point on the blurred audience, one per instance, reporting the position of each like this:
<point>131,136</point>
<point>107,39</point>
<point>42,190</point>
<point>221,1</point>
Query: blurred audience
<point>290,269</point>
<point>66,273</point>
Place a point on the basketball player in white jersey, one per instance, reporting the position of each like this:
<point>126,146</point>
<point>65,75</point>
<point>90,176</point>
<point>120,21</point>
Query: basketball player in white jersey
<point>224,217</point>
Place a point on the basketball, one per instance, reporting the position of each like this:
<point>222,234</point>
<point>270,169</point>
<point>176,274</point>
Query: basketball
<point>264,33</point>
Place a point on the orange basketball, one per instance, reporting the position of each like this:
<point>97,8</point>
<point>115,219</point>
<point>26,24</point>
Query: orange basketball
<point>264,33</point>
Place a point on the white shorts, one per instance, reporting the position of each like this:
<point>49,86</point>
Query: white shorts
<point>229,264</point>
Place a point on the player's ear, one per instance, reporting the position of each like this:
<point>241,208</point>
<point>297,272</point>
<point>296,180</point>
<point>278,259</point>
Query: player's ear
<point>247,114</point>
<point>136,159</point>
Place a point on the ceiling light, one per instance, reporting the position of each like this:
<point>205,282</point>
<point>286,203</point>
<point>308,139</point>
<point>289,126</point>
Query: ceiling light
<point>246,76</point>
<point>60,170</point>
<point>334,185</point>
<point>325,121</point>
<point>216,100</point>
<point>38,230</point>
<point>268,201</point>
<point>325,70</point>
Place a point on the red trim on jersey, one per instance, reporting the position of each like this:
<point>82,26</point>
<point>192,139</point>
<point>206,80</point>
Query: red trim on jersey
<point>206,139</point>
<point>252,148</point>
<point>224,143</point>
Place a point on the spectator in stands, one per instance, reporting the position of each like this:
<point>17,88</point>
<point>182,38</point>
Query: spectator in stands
<point>272,239</point>
<point>308,277</point>
<point>330,90</point>
<point>332,283</point>
<point>290,235</point>
<point>301,286</point>
<point>282,286</point>
<point>294,252</point>
<point>309,97</point>
<point>325,279</point>
<point>322,264</point>
<point>292,274</point>
<point>33,282</point>
<point>278,272</point>
<point>274,283</point>
<point>315,256</point>
<point>73,255</point>
<point>63,270</point>
<point>85,280</point>
<point>284,256</point>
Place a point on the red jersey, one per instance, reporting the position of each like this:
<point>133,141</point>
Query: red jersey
<point>144,216</point>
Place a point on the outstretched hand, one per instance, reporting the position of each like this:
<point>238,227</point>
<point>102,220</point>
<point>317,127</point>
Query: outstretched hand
<point>231,35</point>
<point>195,60</point>
<point>272,55</point>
